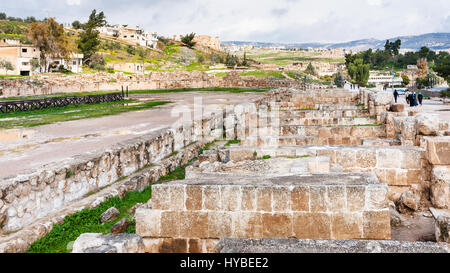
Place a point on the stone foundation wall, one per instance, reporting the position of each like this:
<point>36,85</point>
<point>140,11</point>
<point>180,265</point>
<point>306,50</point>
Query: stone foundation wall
<point>321,209</point>
<point>51,84</point>
<point>399,167</point>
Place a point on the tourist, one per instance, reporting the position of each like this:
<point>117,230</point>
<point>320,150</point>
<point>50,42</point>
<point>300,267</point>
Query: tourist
<point>407,97</point>
<point>395,95</point>
<point>420,97</point>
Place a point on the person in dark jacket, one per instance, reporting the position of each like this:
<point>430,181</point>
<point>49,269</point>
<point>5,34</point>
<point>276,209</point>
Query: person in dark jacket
<point>395,95</point>
<point>420,97</point>
<point>411,100</point>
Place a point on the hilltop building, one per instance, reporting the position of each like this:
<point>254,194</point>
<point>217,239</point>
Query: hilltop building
<point>132,35</point>
<point>204,40</point>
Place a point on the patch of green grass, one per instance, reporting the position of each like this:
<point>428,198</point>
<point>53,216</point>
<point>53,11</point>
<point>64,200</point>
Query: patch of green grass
<point>237,141</point>
<point>264,157</point>
<point>206,147</point>
<point>53,115</point>
<point>12,76</point>
<point>88,220</point>
<point>221,74</point>
<point>264,74</point>
<point>69,173</point>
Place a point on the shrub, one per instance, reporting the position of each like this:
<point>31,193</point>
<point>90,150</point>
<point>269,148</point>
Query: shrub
<point>188,40</point>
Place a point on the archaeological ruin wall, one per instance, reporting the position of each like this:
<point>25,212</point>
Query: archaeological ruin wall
<point>51,84</point>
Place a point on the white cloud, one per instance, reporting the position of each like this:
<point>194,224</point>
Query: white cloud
<point>261,20</point>
<point>73,2</point>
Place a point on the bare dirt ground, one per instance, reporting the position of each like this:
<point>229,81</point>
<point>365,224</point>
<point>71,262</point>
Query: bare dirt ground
<point>418,227</point>
<point>35,147</point>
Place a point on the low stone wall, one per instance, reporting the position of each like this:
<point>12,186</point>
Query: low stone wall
<point>51,84</point>
<point>33,195</point>
<point>399,167</point>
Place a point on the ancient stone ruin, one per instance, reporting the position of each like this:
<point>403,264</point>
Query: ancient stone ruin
<point>310,165</point>
<point>316,164</point>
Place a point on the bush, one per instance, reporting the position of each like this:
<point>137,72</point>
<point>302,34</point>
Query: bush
<point>131,50</point>
<point>445,93</point>
<point>97,60</point>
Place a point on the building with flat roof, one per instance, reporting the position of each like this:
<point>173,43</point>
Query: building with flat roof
<point>19,55</point>
<point>135,35</point>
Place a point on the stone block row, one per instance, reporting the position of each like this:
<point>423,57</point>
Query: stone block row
<point>257,198</point>
<point>152,223</point>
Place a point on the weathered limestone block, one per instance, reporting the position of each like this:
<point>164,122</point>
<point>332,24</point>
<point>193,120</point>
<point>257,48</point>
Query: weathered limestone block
<point>408,132</point>
<point>109,215</point>
<point>99,243</point>
<point>381,98</point>
<point>438,150</point>
<point>408,202</point>
<point>427,124</point>
<point>120,227</point>
<point>442,228</point>
<point>398,108</point>
<point>440,187</point>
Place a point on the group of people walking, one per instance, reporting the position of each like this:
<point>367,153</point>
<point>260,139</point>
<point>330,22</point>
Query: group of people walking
<point>412,98</point>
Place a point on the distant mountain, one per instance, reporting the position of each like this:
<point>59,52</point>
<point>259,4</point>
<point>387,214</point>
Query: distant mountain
<point>434,41</point>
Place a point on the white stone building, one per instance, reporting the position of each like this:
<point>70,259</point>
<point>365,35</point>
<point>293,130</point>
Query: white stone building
<point>75,64</point>
<point>134,35</point>
<point>383,79</point>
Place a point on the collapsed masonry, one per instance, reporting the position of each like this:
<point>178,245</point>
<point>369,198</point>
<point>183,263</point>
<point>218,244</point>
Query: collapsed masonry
<point>310,165</point>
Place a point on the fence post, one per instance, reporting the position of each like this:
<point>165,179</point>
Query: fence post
<point>127,91</point>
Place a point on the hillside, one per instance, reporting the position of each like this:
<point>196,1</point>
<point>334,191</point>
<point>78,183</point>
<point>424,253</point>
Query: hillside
<point>434,41</point>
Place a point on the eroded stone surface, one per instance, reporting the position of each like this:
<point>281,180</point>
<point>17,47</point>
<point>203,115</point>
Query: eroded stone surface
<point>99,243</point>
<point>233,245</point>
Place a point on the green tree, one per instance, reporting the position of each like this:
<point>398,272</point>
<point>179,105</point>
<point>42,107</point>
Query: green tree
<point>3,16</point>
<point>339,80</point>
<point>51,39</point>
<point>443,68</point>
<point>393,48</point>
<point>35,63</point>
<point>7,65</point>
<point>76,24</point>
<point>359,72</point>
<point>310,69</point>
<point>89,38</point>
<point>30,19</point>
<point>245,62</point>
<point>188,40</point>
<point>406,80</point>
<point>230,61</point>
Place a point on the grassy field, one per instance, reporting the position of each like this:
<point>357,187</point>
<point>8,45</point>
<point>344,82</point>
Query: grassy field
<point>264,74</point>
<point>53,115</point>
<point>288,57</point>
<point>88,220</point>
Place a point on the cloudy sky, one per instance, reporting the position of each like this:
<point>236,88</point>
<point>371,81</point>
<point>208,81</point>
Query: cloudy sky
<point>256,20</point>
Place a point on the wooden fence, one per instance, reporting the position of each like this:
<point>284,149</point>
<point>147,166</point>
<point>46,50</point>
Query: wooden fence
<point>39,104</point>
